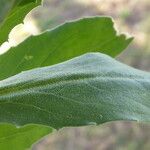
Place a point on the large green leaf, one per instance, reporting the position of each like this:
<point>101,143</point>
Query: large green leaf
<point>90,89</point>
<point>62,43</point>
<point>13,13</point>
<point>12,138</point>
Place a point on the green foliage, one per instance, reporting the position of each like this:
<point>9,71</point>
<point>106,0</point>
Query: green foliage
<point>63,43</point>
<point>89,89</point>
<point>5,5</point>
<point>13,13</point>
<point>13,138</point>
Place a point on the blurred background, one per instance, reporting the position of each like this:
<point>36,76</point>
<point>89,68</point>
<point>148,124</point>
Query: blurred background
<point>131,16</point>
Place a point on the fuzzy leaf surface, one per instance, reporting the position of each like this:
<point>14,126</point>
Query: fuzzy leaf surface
<point>90,89</point>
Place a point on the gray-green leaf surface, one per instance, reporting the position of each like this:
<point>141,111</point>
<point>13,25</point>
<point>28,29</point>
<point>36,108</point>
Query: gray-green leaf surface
<point>63,43</point>
<point>90,89</point>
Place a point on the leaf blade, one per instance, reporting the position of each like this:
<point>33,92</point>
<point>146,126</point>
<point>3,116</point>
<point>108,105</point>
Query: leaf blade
<point>15,15</point>
<point>76,93</point>
<point>21,138</point>
<point>63,43</point>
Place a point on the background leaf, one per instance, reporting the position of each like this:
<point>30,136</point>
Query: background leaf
<point>13,138</point>
<point>12,14</point>
<point>63,43</point>
<point>5,6</point>
<point>90,89</point>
